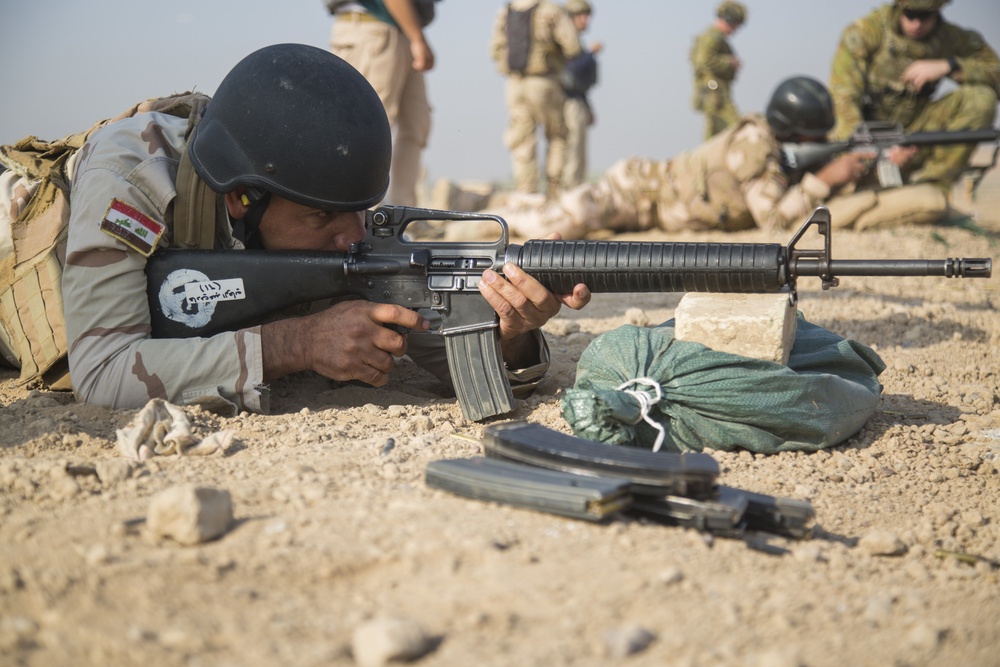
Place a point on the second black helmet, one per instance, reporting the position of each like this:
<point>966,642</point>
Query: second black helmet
<point>800,106</point>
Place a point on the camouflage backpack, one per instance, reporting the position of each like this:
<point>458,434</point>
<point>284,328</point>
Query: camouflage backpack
<point>32,323</point>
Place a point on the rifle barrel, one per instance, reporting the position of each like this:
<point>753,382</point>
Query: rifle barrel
<point>637,266</point>
<point>947,268</point>
<point>953,137</point>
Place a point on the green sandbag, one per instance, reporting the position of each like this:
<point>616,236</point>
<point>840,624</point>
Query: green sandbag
<point>724,401</point>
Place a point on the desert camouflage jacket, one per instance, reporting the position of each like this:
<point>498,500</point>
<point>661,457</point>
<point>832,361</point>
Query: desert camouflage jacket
<point>554,38</point>
<point>122,193</point>
<point>736,181</point>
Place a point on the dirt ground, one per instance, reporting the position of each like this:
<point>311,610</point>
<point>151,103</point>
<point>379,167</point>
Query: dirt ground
<point>334,526</point>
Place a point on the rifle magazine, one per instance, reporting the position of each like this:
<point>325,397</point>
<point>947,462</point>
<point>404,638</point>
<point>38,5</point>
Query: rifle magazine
<point>478,374</point>
<point>480,478</point>
<point>690,474</point>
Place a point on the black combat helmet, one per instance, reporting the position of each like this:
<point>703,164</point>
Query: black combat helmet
<point>299,122</point>
<point>800,106</point>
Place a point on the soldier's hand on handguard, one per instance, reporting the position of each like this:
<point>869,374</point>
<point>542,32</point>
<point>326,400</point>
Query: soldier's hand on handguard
<point>901,155</point>
<point>847,168</point>
<point>351,340</point>
<point>524,305</point>
<point>919,73</point>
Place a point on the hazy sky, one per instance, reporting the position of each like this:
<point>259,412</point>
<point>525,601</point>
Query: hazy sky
<point>69,63</point>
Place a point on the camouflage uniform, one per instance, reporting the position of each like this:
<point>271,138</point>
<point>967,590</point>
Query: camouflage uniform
<point>715,67</point>
<point>735,181</point>
<point>113,360</point>
<point>535,98</point>
<point>131,165</point>
<point>865,85</point>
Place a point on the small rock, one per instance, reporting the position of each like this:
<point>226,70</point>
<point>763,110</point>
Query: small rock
<point>627,640</point>
<point>190,515</point>
<point>113,471</point>
<point>809,552</point>
<point>671,576</point>
<point>389,638</point>
<point>878,608</point>
<point>778,658</point>
<point>881,542</point>
<point>17,632</point>
<point>804,492</point>
<point>64,488</point>
<point>10,579</point>
<point>924,638</point>
<point>558,326</point>
<point>421,424</point>
<point>99,554</point>
<point>637,316</point>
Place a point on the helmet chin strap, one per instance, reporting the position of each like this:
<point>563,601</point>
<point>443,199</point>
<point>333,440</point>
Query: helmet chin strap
<point>247,229</point>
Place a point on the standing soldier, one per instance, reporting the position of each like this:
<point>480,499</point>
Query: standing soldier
<point>578,78</point>
<point>715,68</point>
<point>888,66</point>
<point>532,40</point>
<point>385,41</point>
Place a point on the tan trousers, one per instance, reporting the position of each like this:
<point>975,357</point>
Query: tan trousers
<point>922,204</point>
<point>578,120</point>
<point>382,54</point>
<point>533,102</point>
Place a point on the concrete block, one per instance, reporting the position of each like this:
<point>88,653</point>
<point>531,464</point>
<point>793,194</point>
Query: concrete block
<point>761,326</point>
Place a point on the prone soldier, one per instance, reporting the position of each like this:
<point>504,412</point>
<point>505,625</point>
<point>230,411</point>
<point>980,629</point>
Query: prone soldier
<point>737,180</point>
<point>154,180</point>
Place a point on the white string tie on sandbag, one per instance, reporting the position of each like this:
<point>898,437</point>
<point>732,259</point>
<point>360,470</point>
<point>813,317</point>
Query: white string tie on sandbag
<point>646,401</point>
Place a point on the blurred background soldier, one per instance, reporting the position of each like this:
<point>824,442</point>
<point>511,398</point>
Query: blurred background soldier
<point>715,68</point>
<point>532,40</point>
<point>384,40</point>
<point>735,181</point>
<point>889,65</point>
<point>578,78</point>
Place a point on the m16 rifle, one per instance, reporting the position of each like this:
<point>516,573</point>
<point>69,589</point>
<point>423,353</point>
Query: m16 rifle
<point>878,137</point>
<point>205,292</point>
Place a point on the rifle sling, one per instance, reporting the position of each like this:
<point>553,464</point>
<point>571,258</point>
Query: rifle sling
<point>194,209</point>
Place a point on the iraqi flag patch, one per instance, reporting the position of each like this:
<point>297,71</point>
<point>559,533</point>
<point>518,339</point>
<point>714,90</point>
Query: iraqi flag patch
<point>133,228</point>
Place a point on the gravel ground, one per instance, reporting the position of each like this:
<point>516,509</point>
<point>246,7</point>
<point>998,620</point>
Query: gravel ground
<point>339,554</point>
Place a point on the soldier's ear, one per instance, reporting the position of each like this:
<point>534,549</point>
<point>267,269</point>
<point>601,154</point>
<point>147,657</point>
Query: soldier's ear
<point>237,203</point>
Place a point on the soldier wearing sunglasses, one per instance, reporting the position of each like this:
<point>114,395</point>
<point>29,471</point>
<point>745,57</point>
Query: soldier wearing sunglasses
<point>888,67</point>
